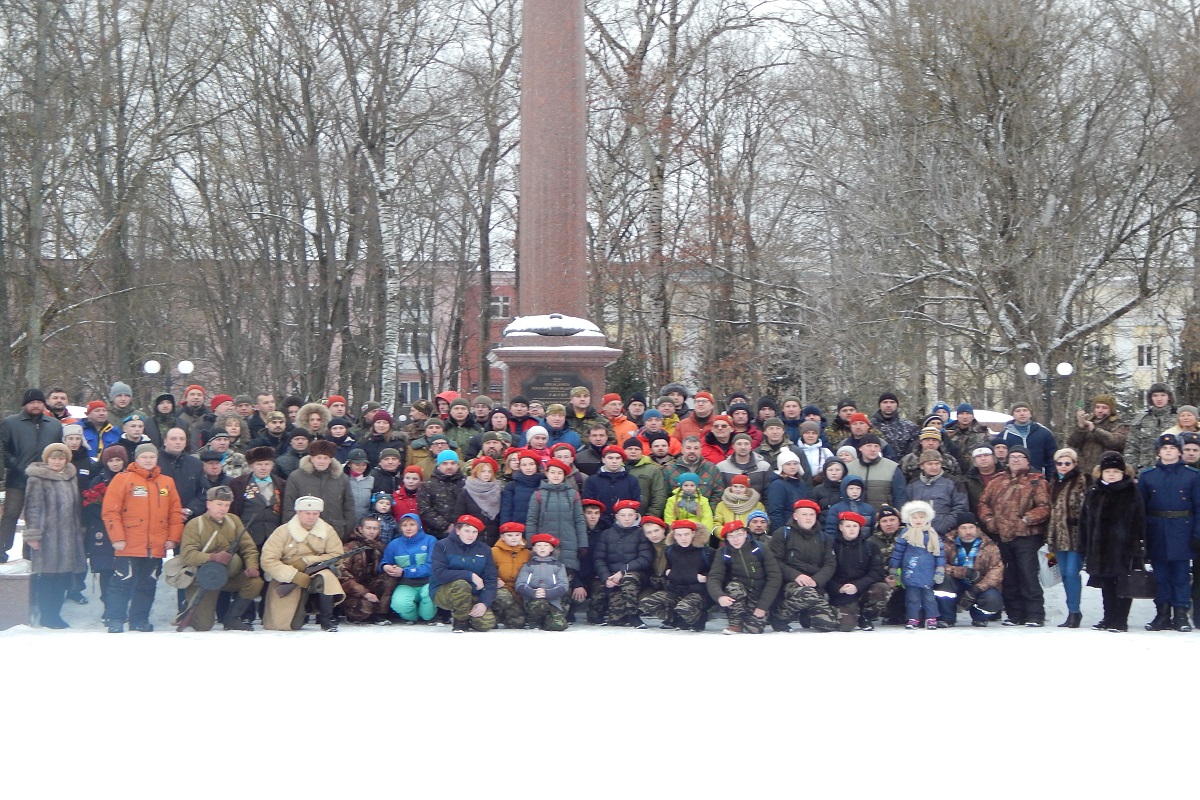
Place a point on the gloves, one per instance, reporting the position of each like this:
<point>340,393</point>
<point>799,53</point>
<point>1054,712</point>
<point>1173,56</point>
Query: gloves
<point>939,575</point>
<point>302,580</point>
<point>968,598</point>
<point>221,557</point>
<point>971,576</point>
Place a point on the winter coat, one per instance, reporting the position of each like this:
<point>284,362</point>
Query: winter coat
<point>711,481</point>
<point>609,488</point>
<point>975,483</point>
<point>887,451</point>
<point>691,425</point>
<point>588,460</point>
<point>53,517</point>
<point>437,498</point>
<point>883,481</point>
<point>623,428</point>
<point>770,453</point>
<point>918,567</point>
<point>375,443</point>
<point>1110,433</point>
<point>948,498</point>
<point>332,486</point>
<point>454,560</point>
<point>360,575</point>
<point>899,432</point>
<point>1171,496</point>
<point>685,565</point>
<point>580,424</point>
<point>413,554</point>
<point>782,494</point>
<point>404,503</point>
<point>703,517</point>
<point>858,562</point>
<point>386,482</point>
<point>543,573</point>
<point>514,500</point>
<point>652,484</point>
<point>1066,498</point>
<point>23,438</point>
<point>260,515</point>
<point>196,551</point>
<point>288,545</point>
<point>860,506</point>
<point>98,438</point>
<point>753,566</point>
<point>965,440</point>
<point>96,543</point>
<point>713,450</point>
<point>195,422</point>
<point>1112,527</point>
<point>803,552</point>
<point>509,561</point>
<point>1039,442</point>
<point>1141,443</point>
<point>989,566</point>
<point>187,472</point>
<point>758,471</point>
<point>619,549</point>
<point>361,489</point>
<point>827,494</point>
<point>518,428</point>
<point>563,435</point>
<point>557,510</point>
<point>460,434</point>
<point>730,508</point>
<point>1015,505</point>
<point>910,465</point>
<point>142,509</point>
<point>465,504</point>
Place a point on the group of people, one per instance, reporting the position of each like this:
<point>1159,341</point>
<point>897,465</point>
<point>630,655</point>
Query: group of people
<point>477,514</point>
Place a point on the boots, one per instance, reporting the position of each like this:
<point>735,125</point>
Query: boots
<point>1180,621</point>
<point>1073,620</point>
<point>1162,619</point>
<point>51,591</point>
<point>325,617</point>
<point>233,617</point>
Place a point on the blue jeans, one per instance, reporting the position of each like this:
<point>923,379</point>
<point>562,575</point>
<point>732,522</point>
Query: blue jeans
<point>1070,562</point>
<point>917,600</point>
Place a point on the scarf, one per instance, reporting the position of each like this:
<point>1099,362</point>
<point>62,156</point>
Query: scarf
<point>688,504</point>
<point>966,558</point>
<point>740,507</point>
<point>925,538</point>
<point>486,495</point>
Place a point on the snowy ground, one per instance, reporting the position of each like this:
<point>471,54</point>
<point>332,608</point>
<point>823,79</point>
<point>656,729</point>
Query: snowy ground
<point>601,712</point>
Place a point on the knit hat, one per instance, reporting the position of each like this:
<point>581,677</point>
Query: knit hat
<point>357,455</point>
<point>468,519</point>
<point>144,448</point>
<point>218,400</point>
<point>73,429</point>
<point>1189,409</point>
<point>484,399</point>
<point>804,426</point>
<point>219,433</point>
<point>731,526</point>
<point>415,470</point>
<point>720,418</point>
<point>377,496</point>
<point>623,504</point>
<point>1110,459</point>
<point>932,418</point>
<point>887,396</point>
<point>322,447</point>
<point>556,408</point>
<point>684,477</point>
<point>846,402</point>
<point>220,493</point>
<point>638,397</point>
<point>580,391</point>
<point>786,456</point>
<point>776,422</point>
<point>243,398</point>
<point>851,516</point>
<point>512,527</point>
<point>1018,450</point>
<point>36,395</point>
<point>115,451</point>
<point>92,406</point>
<point>707,395</point>
<point>459,401</point>
<point>806,503</point>
<point>554,462</point>
<point>858,416</point>
<point>300,433</point>
<point>447,455</point>
<point>611,397</point>
<point>438,421</point>
<point>930,433</point>
<point>536,430</point>
<point>255,454</point>
<point>119,388</point>
<point>737,437</point>
<point>519,398</point>
<point>539,538</point>
<point>942,404</point>
<point>886,511</point>
<point>732,407</point>
<point>966,518</point>
<point>57,447</point>
<point>422,405</point>
<point>870,438</point>
<point>382,414</point>
<point>195,387</point>
<point>309,503</point>
<point>766,401</point>
<point>739,480</point>
<point>387,452</point>
<point>846,449</point>
<point>965,408</point>
<point>757,514</point>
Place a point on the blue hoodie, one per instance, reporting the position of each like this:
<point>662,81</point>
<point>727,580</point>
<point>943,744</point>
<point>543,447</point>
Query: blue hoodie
<point>859,506</point>
<point>413,555</point>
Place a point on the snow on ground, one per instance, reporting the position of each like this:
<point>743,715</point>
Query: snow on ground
<point>601,712</point>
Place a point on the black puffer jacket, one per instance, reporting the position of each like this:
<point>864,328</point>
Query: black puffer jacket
<point>860,563</point>
<point>802,551</point>
<point>621,549</point>
<point>686,564</point>
<point>436,500</point>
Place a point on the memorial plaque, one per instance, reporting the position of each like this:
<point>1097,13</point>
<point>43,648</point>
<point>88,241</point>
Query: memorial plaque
<point>553,387</point>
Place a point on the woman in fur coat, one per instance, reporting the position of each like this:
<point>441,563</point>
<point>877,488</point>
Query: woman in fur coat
<point>1112,534</point>
<point>53,529</point>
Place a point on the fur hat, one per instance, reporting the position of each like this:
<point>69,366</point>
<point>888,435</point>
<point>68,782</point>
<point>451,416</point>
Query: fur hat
<point>56,447</point>
<point>906,511</point>
<point>1107,399</point>
<point>235,465</point>
<point>260,454</point>
<point>1069,452</point>
<point>1111,459</point>
<point>220,493</point>
<point>322,447</point>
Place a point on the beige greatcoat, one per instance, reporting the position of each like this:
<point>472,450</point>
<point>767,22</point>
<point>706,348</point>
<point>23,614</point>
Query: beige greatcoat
<point>289,547</point>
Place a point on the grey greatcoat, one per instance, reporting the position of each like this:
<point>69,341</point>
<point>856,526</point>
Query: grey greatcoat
<point>54,517</point>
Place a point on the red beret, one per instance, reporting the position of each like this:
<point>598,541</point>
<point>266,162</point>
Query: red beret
<point>806,503</point>
<point>467,519</point>
<point>654,521</point>
<point>731,526</point>
<point>587,501</point>
<point>510,451</point>
<point>852,517</point>
<point>543,537</point>
<point>612,448</point>
<point>634,504</point>
<point>554,462</point>
<point>683,523</point>
<point>530,454</point>
<point>491,462</point>
<point>561,446</point>
<point>511,527</point>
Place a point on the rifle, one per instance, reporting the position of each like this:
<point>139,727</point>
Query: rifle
<point>284,589</point>
<point>208,579</point>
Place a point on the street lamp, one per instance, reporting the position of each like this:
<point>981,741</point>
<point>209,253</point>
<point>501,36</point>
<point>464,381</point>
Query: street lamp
<point>1034,370</point>
<point>152,367</point>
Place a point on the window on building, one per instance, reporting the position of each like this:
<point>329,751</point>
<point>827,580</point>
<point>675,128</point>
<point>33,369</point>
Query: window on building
<point>410,391</point>
<point>500,306</point>
<point>1145,355</point>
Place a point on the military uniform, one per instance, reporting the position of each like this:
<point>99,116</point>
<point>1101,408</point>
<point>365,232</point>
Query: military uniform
<point>203,537</point>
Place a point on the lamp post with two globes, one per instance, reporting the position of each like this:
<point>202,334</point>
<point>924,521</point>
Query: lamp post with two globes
<point>1064,370</point>
<point>153,367</point>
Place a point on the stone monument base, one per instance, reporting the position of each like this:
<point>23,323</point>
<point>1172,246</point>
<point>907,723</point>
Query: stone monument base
<point>545,356</point>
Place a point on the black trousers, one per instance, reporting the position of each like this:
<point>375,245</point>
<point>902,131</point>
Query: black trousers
<point>131,590</point>
<point>1022,591</point>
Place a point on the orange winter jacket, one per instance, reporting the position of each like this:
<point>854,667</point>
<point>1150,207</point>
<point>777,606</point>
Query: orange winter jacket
<point>509,561</point>
<point>143,510</point>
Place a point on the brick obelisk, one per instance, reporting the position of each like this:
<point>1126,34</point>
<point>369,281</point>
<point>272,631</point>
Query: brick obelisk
<point>552,275</point>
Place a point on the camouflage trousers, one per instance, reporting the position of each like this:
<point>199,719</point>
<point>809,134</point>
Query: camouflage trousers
<point>457,598</point>
<point>741,613</point>
<point>509,610</point>
<point>683,610</point>
<point>543,614</point>
<point>808,600</point>
<point>868,605</point>
<point>614,605</point>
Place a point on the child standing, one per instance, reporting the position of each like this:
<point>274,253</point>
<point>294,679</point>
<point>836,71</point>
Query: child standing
<point>543,585</point>
<point>510,555</point>
<point>919,563</point>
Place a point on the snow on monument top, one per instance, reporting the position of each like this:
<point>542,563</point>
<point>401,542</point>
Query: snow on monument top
<point>551,325</point>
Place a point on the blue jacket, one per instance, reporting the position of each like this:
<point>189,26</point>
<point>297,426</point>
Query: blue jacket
<point>413,555</point>
<point>1040,444</point>
<point>1170,489</point>
<point>608,488</point>
<point>563,435</point>
<point>917,565</point>
<point>455,561</point>
<point>98,440</point>
<point>859,506</point>
<point>782,494</point>
<point>515,497</point>
<point>621,549</point>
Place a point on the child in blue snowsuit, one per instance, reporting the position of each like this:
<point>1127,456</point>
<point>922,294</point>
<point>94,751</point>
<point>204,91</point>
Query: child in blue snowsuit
<point>919,563</point>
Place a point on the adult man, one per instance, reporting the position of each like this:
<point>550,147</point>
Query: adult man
<point>288,461</point>
<point>613,408</point>
<point>589,457</point>
<point>690,459</point>
<point>718,441</point>
<point>929,440</point>
<point>1148,425</point>
<point>677,393</point>
<point>98,432</point>
<point>461,426</point>
<point>839,428</point>
<point>974,575</point>
<point>320,475</point>
<point>264,407</point>
<point>1014,510</point>
<point>652,427</point>
<point>56,405</point>
<point>979,476</point>
<point>162,418</point>
<point>948,498</point>
<point>210,537</point>
<point>420,452</point>
<point>195,418</point>
<point>302,541</point>
<point>965,435</point>
<point>556,428</point>
<point>212,475</point>
<point>860,427</point>
<point>775,442</point>
<point>258,495</point>
<point>1095,434</point>
<point>183,468</point>
<point>581,416</point>
<point>807,563</point>
<point>1170,492</point>
<point>120,397</point>
<point>649,476</point>
<point>438,496</point>
<point>23,438</point>
<point>666,407</point>
<point>481,407</point>
<point>1036,438</point>
<point>744,461</point>
<point>1191,453</point>
<point>273,433</point>
<point>144,518</point>
<point>611,484</point>
<point>519,420</point>
<point>701,419</point>
<point>899,432</point>
<point>883,483</point>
